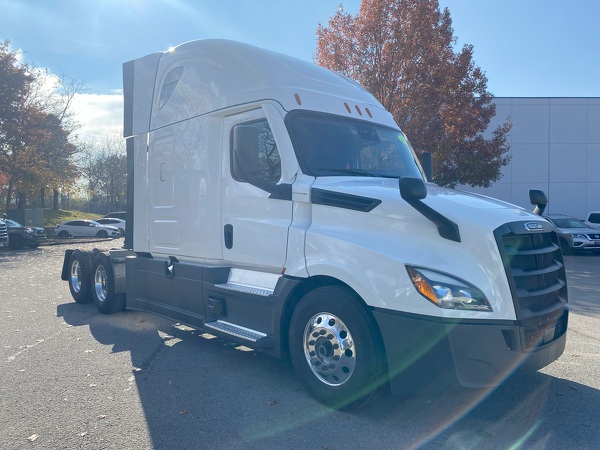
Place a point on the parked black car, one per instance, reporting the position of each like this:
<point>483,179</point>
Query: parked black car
<point>20,236</point>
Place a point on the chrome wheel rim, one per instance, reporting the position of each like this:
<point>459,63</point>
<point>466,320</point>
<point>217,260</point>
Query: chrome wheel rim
<point>76,276</point>
<point>329,349</point>
<point>100,283</point>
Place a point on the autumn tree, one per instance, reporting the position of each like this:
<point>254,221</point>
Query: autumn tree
<point>402,51</point>
<point>35,130</point>
<point>14,86</point>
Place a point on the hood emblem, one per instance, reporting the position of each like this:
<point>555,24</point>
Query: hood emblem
<point>531,226</point>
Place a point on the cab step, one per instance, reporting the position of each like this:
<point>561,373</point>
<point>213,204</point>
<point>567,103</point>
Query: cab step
<point>231,329</point>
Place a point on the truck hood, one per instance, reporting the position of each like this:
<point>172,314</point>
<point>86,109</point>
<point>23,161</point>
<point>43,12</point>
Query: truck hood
<point>459,206</point>
<point>390,233</point>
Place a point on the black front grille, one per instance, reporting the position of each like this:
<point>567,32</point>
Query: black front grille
<point>544,328</point>
<point>536,274</point>
<point>3,232</point>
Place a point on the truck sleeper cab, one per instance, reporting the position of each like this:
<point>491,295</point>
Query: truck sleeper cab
<point>277,204</point>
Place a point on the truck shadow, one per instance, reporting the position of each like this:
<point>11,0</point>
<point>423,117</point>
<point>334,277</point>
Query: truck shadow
<point>198,391</point>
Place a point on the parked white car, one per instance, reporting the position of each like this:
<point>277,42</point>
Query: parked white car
<point>113,222</point>
<point>115,215</point>
<point>593,219</point>
<point>85,228</point>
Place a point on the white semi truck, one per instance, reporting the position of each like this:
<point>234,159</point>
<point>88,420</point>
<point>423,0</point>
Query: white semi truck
<point>277,204</point>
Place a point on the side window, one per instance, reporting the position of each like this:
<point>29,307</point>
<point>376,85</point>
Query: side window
<point>254,155</point>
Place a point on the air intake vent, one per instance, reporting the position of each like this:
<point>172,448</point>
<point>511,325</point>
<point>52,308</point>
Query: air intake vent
<point>341,200</point>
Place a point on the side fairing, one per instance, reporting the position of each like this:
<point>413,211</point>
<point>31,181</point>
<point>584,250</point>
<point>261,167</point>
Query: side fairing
<point>183,189</point>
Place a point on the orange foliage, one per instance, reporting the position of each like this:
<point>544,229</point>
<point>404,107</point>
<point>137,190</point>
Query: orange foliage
<point>402,51</point>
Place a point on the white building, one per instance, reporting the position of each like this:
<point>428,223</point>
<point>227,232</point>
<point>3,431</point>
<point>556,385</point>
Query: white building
<point>555,147</point>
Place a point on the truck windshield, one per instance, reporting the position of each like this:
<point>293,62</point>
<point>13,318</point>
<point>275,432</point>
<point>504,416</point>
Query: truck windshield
<point>328,145</point>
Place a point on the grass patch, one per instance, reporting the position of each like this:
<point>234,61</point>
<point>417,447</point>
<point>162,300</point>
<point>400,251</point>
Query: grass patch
<point>53,217</point>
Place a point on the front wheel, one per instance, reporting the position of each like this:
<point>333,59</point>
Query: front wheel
<point>102,234</point>
<point>16,242</point>
<point>336,349</point>
<point>564,246</point>
<point>103,282</point>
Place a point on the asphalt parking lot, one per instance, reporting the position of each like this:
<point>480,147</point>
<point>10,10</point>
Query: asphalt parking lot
<point>73,378</point>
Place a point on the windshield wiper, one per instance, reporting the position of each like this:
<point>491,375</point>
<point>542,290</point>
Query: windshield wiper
<point>349,171</point>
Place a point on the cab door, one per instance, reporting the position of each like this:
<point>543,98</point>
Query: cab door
<point>257,206</point>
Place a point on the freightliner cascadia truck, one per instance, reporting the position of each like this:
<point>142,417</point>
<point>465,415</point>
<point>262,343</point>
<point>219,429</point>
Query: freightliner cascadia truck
<point>277,204</point>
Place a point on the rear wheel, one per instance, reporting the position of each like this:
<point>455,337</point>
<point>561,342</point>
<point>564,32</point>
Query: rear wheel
<point>103,286</point>
<point>336,349</point>
<point>80,270</point>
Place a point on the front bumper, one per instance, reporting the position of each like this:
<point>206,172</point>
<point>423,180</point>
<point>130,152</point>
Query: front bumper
<point>585,244</point>
<point>431,354</point>
<point>34,239</point>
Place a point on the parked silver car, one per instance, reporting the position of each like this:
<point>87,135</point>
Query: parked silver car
<point>85,228</point>
<point>574,234</point>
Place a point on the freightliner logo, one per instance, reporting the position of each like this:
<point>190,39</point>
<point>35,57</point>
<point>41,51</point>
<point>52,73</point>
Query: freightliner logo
<point>531,226</point>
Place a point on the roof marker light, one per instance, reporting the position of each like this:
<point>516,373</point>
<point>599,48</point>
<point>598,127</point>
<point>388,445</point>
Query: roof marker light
<point>348,108</point>
<point>369,113</point>
<point>298,100</point>
<point>358,110</point>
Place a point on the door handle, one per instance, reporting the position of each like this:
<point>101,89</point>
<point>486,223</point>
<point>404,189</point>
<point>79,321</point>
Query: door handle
<point>228,235</point>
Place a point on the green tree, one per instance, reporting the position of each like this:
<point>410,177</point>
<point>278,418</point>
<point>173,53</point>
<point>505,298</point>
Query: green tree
<point>105,171</point>
<point>402,51</point>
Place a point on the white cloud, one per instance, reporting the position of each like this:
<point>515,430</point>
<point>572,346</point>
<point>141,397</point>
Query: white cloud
<point>99,115</point>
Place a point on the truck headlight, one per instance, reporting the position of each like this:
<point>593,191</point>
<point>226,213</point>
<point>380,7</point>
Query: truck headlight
<point>447,291</point>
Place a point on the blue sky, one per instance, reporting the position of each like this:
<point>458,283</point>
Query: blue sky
<point>528,48</point>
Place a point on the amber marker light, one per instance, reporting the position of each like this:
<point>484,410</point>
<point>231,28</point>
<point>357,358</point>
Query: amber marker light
<point>422,285</point>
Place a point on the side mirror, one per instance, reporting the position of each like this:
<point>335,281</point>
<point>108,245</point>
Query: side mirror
<point>412,188</point>
<point>427,163</point>
<point>538,198</point>
<point>245,152</point>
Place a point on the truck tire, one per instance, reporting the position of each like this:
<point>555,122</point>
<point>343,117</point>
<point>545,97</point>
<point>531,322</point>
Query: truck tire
<point>80,272</point>
<point>103,282</point>
<point>16,242</point>
<point>336,349</point>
